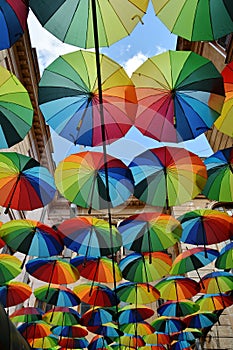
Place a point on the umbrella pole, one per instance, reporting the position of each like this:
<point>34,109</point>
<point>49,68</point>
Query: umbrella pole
<point>96,39</point>
<point>50,281</point>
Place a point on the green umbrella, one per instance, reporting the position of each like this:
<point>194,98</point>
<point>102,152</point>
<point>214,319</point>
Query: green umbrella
<point>196,20</point>
<point>71,21</point>
<point>225,258</point>
<point>10,267</point>
<point>16,111</point>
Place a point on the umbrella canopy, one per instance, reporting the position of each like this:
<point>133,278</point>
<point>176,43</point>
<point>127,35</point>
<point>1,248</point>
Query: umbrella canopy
<point>167,176</point>
<point>13,21</point>
<point>200,319</point>
<point>137,293</point>
<point>98,342</point>
<point>220,176</point>
<point>52,270</point>
<point>57,295</point>
<point>90,236</point>
<point>223,123</point>
<point>134,313</point>
<point>14,293</point>
<point>168,325</point>
<point>96,316</point>
<point>177,287</point>
<point>49,342</point>
<point>73,343</point>
<point>214,302</point>
<point>35,330</point>
<point>205,226</point>
<point>76,331</point>
<point>96,294</point>
<point>188,334</point>
<point>107,330</point>
<point>115,20</point>
<point>225,258</point>
<point>31,238</point>
<point>81,178</point>
<point>16,110</point>
<point>69,98</point>
<point>217,282</point>
<point>186,18</point>
<point>173,308</point>
<point>10,267</point>
<point>157,338</point>
<point>181,345</point>
<point>130,341</point>
<point>97,269</point>
<point>24,183</point>
<point>149,232</point>
<point>62,316</point>
<point>27,314</point>
<point>180,95</point>
<point>193,259</point>
<point>145,267</point>
<point>139,328</point>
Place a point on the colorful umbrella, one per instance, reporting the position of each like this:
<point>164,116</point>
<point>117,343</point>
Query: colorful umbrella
<point>49,342</point>
<point>34,330</point>
<point>200,319</point>
<point>173,308</point>
<point>196,21</point>
<point>81,178</point>
<point>98,342</point>
<point>31,238</point>
<point>167,176</point>
<point>157,338</point>
<point>115,20</point>
<point>134,313</point>
<point>90,236</point>
<point>223,123</point>
<point>152,347</point>
<point>168,325</point>
<point>10,267</point>
<point>149,232</point>
<point>205,226</point>
<point>225,259</point>
<point>217,282</point>
<point>62,316</point>
<point>69,98</point>
<point>137,293</point>
<point>52,270</point>
<point>96,294</point>
<point>138,328</point>
<point>188,334</point>
<point>193,259</point>
<point>24,183</point>
<point>214,302</point>
<point>96,316</point>
<point>97,269</point>
<point>16,110</point>
<point>107,330</point>
<point>177,288</point>
<point>74,343</point>
<point>13,21</point>
<point>14,293</point>
<point>131,341</point>
<point>145,267</point>
<point>76,331</point>
<point>27,314</point>
<point>57,295</point>
<point>220,178</point>
<point>180,95</point>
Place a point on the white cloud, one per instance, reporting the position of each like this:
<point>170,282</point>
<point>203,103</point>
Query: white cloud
<point>160,49</point>
<point>134,62</point>
<point>47,45</point>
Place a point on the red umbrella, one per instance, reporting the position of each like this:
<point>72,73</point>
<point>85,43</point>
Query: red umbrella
<point>177,287</point>
<point>14,293</point>
<point>96,294</point>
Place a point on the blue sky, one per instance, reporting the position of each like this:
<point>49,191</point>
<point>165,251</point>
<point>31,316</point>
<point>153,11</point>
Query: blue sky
<point>146,40</point>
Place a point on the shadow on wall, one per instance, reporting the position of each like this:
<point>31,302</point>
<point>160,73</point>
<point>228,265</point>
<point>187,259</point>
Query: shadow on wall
<point>10,338</point>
